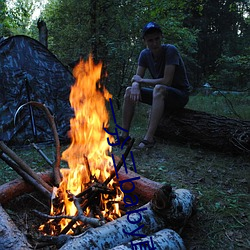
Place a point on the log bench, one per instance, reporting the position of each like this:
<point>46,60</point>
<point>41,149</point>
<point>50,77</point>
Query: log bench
<point>211,131</point>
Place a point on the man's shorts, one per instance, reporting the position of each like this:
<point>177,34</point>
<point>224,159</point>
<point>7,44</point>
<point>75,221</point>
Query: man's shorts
<point>175,99</point>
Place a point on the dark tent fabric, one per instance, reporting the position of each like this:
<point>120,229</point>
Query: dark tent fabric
<point>29,71</point>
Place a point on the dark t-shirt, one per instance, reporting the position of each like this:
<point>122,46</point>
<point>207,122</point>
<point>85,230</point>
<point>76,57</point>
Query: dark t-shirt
<point>171,56</point>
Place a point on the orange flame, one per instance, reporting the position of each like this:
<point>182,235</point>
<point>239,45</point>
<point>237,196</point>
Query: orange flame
<point>89,139</point>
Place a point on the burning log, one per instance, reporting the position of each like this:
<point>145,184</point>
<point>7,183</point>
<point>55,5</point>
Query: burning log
<point>10,237</point>
<point>162,240</point>
<point>165,210</point>
<point>15,188</point>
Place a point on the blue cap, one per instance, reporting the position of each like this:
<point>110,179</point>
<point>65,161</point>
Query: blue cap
<point>150,26</point>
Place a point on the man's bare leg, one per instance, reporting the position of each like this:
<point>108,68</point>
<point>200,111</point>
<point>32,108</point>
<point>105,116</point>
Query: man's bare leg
<point>128,110</point>
<point>156,113</point>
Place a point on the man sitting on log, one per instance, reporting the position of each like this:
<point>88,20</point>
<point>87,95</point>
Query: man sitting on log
<point>168,89</point>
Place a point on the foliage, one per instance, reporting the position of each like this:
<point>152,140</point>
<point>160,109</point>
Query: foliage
<point>232,72</point>
<point>4,19</point>
<point>212,36</point>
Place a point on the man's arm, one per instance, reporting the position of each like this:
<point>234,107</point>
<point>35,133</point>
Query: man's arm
<point>135,93</point>
<point>166,80</point>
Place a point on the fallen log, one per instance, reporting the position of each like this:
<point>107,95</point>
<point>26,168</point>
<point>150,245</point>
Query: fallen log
<point>10,237</point>
<point>138,223</point>
<point>212,131</point>
<point>162,240</point>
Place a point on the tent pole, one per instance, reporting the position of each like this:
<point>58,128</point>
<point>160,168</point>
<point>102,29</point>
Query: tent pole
<point>33,125</point>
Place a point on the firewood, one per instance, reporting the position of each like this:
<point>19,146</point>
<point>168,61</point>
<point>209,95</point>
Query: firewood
<point>138,223</point>
<point>10,237</point>
<point>13,156</point>
<point>162,240</point>
<point>15,188</point>
<point>26,176</point>
<point>18,187</point>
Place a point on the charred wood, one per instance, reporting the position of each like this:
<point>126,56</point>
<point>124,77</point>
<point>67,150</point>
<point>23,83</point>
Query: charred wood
<point>150,218</point>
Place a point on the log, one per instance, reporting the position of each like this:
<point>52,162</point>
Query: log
<point>138,223</point>
<point>10,237</point>
<point>162,240</point>
<point>22,164</point>
<point>15,188</point>
<point>18,187</point>
<point>211,131</point>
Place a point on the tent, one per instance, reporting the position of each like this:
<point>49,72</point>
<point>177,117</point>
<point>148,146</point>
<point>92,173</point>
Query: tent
<point>30,72</point>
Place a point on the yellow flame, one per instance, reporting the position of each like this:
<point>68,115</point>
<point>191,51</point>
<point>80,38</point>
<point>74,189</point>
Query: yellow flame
<point>88,138</point>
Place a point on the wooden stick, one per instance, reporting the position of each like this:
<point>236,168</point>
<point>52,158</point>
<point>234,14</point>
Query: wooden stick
<point>23,165</point>
<point>120,163</point>
<point>26,176</point>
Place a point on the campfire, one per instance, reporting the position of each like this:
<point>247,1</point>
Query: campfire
<point>84,188</point>
<point>94,203</point>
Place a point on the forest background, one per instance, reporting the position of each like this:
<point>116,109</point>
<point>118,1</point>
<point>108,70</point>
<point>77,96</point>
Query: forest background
<point>212,36</point>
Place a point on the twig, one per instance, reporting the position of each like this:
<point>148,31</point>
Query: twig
<point>120,163</point>
<point>25,176</point>
<point>24,166</point>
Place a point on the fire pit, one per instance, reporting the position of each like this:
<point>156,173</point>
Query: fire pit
<point>88,199</point>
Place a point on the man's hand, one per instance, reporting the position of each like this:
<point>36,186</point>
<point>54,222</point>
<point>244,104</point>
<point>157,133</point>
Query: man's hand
<point>135,93</point>
<point>136,78</point>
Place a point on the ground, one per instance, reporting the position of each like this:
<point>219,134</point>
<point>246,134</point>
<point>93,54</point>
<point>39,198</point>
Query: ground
<point>219,180</point>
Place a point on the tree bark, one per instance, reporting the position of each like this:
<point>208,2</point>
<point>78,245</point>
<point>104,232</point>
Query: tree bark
<point>18,187</point>
<point>166,210</point>
<point>10,237</point>
<point>212,131</point>
<point>162,240</point>
<point>43,32</point>
<point>15,188</point>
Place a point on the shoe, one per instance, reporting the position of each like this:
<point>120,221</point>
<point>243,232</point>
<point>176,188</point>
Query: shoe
<point>147,144</point>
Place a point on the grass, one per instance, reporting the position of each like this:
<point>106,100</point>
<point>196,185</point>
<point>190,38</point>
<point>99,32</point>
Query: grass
<point>219,180</point>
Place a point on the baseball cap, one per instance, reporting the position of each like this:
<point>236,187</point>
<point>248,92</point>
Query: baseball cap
<point>150,26</point>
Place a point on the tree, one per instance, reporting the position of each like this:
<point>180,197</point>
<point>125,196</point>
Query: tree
<point>223,31</point>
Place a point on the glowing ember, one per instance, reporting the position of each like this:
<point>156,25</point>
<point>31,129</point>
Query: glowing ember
<point>88,155</point>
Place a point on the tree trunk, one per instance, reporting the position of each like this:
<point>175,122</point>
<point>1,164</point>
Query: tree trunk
<point>10,237</point>
<point>212,131</point>
<point>43,32</point>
